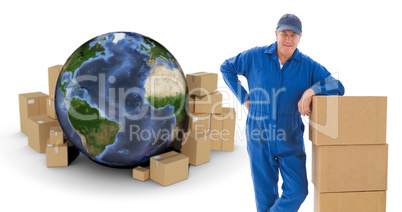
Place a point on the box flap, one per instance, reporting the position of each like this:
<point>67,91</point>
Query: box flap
<point>42,118</point>
<point>141,169</point>
<point>172,159</point>
<point>33,95</point>
<point>348,120</point>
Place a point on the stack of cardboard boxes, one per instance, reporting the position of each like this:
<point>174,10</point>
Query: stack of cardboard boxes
<point>350,153</point>
<point>33,119</point>
<point>196,143</point>
<point>205,103</point>
<point>53,75</point>
<point>39,122</point>
<point>222,129</point>
<point>59,151</point>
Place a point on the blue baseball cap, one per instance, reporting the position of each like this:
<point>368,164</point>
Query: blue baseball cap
<point>289,22</point>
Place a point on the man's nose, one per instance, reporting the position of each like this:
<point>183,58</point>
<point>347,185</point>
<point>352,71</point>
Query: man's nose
<point>289,38</point>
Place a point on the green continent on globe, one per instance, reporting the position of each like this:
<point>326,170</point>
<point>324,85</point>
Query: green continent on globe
<point>155,50</point>
<point>97,131</point>
<point>175,101</point>
<point>82,54</point>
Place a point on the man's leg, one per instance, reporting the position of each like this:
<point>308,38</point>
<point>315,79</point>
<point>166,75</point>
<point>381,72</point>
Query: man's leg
<point>295,185</point>
<point>264,167</point>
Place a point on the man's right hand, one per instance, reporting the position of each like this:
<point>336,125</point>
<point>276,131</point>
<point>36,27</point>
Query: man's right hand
<point>247,104</point>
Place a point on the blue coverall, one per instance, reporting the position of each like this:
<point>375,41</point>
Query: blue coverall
<point>274,126</point>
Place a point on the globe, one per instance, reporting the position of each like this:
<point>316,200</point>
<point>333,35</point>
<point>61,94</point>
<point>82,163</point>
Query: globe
<point>121,98</point>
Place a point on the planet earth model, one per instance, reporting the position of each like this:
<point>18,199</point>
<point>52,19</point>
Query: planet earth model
<point>121,98</point>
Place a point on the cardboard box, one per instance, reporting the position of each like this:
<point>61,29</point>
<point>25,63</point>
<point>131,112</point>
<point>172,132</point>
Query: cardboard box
<point>350,168</point>
<point>222,130</point>
<point>141,173</point>
<point>198,123</point>
<point>368,201</point>
<point>50,108</point>
<point>38,131</point>
<point>348,120</point>
<point>215,131</point>
<point>206,104</point>
<point>60,155</point>
<point>53,76</point>
<point>197,147</point>
<point>228,128</point>
<point>169,168</point>
<point>202,83</point>
<point>56,136</point>
<point>31,104</point>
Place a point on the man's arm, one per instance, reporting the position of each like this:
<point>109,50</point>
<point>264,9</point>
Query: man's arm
<point>232,67</point>
<point>323,84</point>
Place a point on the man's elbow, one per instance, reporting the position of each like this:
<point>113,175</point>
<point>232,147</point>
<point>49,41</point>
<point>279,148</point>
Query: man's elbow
<point>224,67</point>
<point>341,89</point>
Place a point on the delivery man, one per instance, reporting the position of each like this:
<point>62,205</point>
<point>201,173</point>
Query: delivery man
<point>281,81</point>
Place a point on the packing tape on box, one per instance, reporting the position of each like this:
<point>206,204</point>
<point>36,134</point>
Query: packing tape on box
<point>40,122</point>
<point>158,158</point>
<point>55,133</point>
<point>192,78</point>
<point>31,101</point>
<point>50,103</point>
<point>56,149</point>
<point>49,145</point>
<point>195,119</point>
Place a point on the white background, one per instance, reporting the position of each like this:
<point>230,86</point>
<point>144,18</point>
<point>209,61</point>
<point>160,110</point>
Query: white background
<point>358,40</point>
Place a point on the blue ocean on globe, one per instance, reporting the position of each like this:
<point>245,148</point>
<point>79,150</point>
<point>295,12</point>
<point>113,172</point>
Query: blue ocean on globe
<point>121,98</point>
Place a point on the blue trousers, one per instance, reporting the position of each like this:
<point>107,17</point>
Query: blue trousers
<point>271,153</point>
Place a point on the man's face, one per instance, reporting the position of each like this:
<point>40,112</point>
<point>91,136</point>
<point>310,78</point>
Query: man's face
<point>287,42</point>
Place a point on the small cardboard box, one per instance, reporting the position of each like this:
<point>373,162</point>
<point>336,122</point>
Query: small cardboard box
<point>31,104</point>
<point>60,155</point>
<point>202,83</point>
<point>50,108</point>
<point>198,123</point>
<point>222,130</point>
<point>211,103</point>
<point>348,120</point>
<point>38,131</point>
<point>141,173</point>
<point>350,168</point>
<point>53,76</point>
<point>367,201</point>
<point>197,147</point>
<point>169,168</point>
<point>56,136</point>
